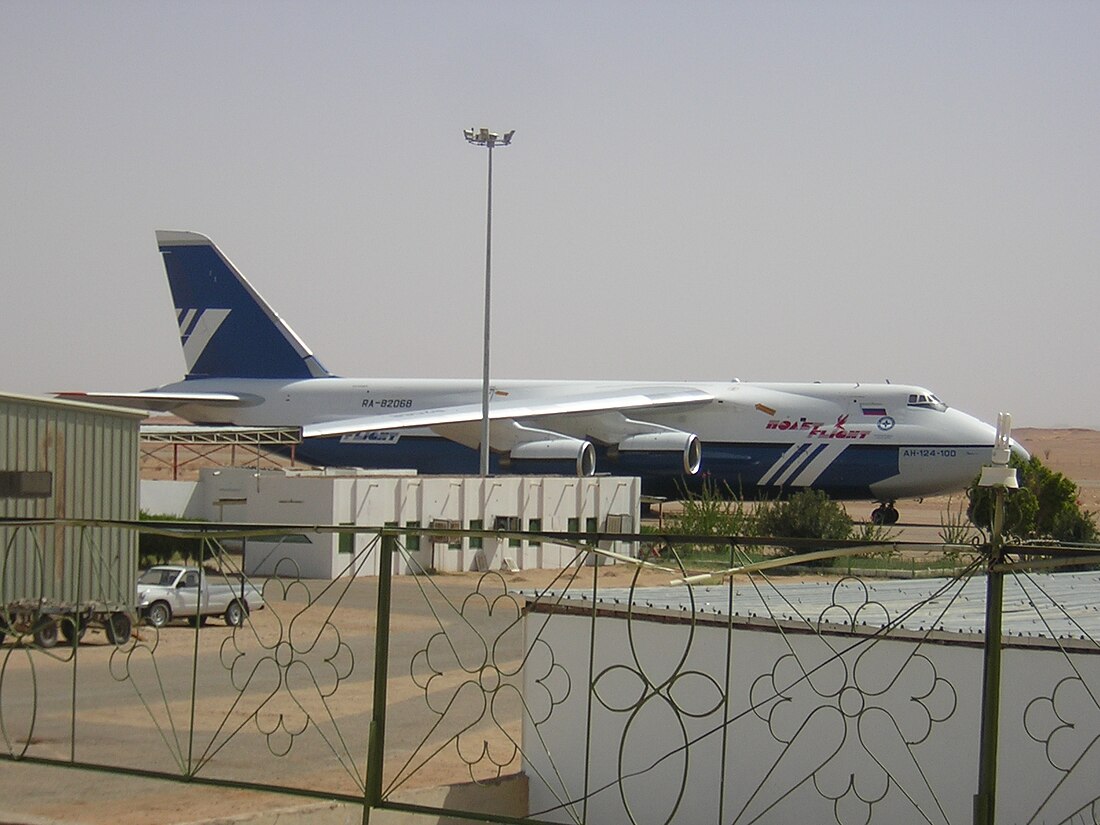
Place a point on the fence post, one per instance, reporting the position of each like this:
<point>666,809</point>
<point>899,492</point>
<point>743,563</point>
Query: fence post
<point>376,749</point>
<point>985,800</point>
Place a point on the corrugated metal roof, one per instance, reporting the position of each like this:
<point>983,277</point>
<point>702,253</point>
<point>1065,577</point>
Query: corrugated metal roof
<point>1038,606</point>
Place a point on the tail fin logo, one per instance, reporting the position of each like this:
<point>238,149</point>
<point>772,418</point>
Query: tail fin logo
<point>197,327</point>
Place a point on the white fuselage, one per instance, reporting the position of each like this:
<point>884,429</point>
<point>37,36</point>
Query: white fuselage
<point>891,441</point>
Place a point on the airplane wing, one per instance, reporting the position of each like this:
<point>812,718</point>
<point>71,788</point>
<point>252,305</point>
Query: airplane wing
<point>156,401</point>
<point>632,398</point>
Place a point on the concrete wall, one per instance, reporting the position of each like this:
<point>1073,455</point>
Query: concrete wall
<point>886,731</point>
<point>172,498</point>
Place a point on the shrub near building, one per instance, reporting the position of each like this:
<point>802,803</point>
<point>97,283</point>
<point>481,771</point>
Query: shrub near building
<point>809,514</point>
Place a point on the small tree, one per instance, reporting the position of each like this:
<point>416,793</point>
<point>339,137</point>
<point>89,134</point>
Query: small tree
<point>809,514</point>
<point>1045,506</point>
<point>714,511</point>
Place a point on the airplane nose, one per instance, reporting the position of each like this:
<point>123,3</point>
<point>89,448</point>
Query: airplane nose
<point>987,433</point>
<point>972,429</point>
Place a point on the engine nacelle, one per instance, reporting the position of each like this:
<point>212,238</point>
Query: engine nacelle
<point>555,456</point>
<point>670,452</point>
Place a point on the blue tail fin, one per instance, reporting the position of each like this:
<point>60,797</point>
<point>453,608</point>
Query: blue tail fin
<point>227,330</point>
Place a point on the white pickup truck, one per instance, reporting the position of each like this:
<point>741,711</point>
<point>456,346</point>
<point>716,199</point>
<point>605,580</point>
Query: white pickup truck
<point>167,592</point>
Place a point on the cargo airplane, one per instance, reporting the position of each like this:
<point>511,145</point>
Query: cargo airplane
<point>246,367</point>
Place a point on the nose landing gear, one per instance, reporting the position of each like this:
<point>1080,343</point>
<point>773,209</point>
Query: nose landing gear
<point>885,513</point>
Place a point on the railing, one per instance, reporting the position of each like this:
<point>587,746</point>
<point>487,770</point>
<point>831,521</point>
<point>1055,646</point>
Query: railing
<point>613,690</point>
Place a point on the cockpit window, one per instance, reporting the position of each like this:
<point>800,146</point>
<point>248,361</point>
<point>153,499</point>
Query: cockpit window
<point>927,400</point>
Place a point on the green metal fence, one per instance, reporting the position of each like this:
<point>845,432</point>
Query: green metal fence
<point>614,690</point>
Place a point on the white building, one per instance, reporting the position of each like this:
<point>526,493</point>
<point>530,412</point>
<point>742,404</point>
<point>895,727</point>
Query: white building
<point>372,499</point>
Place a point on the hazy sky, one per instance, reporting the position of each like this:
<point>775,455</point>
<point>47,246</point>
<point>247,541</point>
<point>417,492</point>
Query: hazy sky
<point>763,190</point>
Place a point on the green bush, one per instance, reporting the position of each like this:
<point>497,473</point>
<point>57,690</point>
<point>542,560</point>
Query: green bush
<point>714,511</point>
<point>1045,506</point>
<point>809,514</point>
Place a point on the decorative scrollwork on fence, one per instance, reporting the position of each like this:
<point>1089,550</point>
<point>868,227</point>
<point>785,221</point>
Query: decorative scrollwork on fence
<point>470,676</point>
<point>849,712</point>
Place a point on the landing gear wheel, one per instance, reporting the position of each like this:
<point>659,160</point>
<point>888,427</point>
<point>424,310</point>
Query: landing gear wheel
<point>885,514</point>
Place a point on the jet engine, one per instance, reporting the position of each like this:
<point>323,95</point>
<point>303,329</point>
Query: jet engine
<point>552,456</point>
<point>670,452</point>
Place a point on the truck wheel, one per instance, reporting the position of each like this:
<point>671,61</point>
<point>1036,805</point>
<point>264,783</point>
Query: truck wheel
<point>73,627</point>
<point>45,632</point>
<point>235,613</point>
<point>158,614</point>
<point>118,627</point>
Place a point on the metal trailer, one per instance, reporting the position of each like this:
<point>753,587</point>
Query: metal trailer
<point>65,468</point>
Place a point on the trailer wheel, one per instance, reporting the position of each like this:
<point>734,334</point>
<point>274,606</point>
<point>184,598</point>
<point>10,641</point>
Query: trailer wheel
<point>45,632</point>
<point>158,614</point>
<point>235,613</point>
<point>73,627</point>
<point>118,627</point>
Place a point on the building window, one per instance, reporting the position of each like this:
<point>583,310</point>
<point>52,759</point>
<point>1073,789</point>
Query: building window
<point>475,541</point>
<point>412,541</point>
<point>535,526</point>
<point>509,524</point>
<point>20,484</point>
<point>347,540</point>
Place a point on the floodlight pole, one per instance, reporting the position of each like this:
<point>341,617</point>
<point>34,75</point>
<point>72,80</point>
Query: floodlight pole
<point>483,137</point>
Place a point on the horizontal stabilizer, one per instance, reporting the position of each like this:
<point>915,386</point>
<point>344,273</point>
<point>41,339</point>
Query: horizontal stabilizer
<point>157,401</point>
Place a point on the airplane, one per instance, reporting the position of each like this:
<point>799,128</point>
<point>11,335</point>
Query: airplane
<point>246,367</point>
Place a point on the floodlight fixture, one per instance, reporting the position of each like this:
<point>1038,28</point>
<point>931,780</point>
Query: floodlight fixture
<point>482,136</point>
<point>999,474</point>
